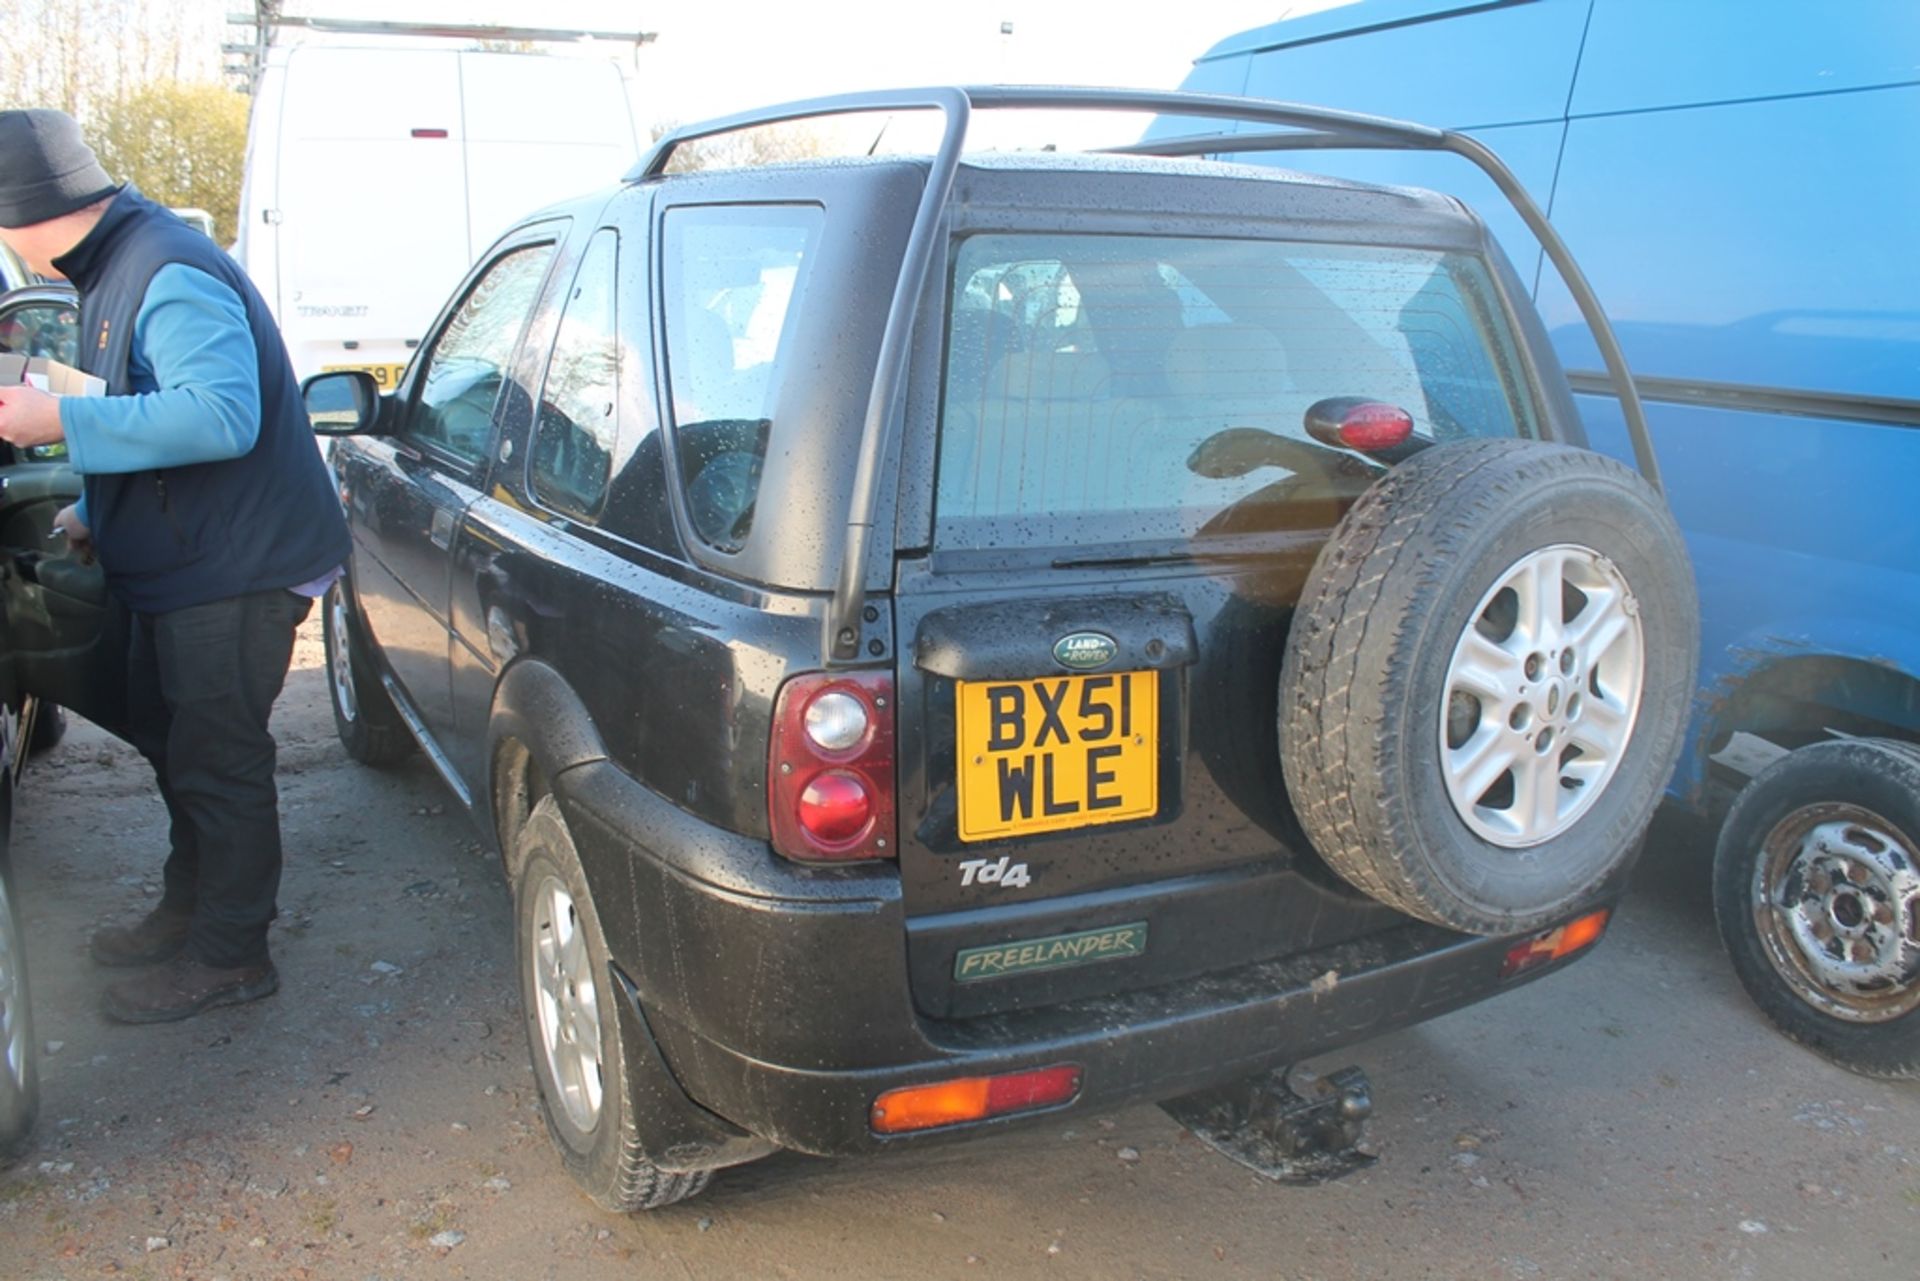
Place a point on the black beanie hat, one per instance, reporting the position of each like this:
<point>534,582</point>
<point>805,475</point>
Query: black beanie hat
<point>46,168</point>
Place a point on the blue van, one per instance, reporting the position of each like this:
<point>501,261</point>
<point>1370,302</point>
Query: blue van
<point>1737,178</point>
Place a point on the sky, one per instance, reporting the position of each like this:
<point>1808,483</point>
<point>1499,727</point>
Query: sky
<point>712,57</point>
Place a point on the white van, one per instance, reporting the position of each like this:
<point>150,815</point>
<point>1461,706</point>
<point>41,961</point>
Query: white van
<point>376,175</point>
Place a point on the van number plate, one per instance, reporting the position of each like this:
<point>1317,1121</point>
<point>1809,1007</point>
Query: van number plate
<point>386,375</point>
<point>1056,753</point>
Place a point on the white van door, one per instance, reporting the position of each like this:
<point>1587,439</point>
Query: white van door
<point>371,203</point>
<point>540,129</point>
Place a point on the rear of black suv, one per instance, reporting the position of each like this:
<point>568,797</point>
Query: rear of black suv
<point>1211,651</point>
<point>1043,853</point>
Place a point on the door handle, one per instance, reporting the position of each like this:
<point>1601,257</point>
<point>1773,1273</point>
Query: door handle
<point>442,534</point>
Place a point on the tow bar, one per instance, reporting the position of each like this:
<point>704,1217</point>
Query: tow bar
<point>1268,1125</point>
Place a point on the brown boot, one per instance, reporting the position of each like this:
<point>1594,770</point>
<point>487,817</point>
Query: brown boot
<point>157,936</point>
<point>183,987</point>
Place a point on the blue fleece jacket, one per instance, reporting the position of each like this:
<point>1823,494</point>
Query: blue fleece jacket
<point>177,532</point>
<point>194,375</point>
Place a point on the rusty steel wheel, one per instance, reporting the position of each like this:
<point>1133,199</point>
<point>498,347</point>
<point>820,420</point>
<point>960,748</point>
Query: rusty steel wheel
<point>1817,891</point>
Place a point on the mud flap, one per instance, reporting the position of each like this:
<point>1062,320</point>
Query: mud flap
<point>1269,1125</point>
<point>675,1133</point>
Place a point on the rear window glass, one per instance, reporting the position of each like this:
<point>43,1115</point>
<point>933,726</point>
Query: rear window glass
<point>1115,388</point>
<point>733,276</point>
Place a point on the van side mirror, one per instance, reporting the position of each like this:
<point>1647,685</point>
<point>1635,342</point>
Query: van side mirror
<point>343,403</point>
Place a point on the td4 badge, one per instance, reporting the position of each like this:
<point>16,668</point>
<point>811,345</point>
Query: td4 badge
<point>1003,872</point>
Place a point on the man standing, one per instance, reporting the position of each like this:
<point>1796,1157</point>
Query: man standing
<point>216,523</point>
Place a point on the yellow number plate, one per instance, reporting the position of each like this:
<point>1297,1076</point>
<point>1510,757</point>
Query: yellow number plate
<point>1056,753</point>
<point>388,376</point>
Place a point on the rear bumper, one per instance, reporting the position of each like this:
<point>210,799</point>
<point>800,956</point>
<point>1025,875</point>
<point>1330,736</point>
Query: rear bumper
<point>1149,1045</point>
<point>780,999</point>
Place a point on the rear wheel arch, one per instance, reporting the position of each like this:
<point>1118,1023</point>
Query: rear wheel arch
<point>1796,700</point>
<point>1803,696</point>
<point>538,728</point>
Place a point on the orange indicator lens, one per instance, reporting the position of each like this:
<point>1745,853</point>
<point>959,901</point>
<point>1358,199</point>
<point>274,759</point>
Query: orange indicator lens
<point>1551,945</point>
<point>973,1098</point>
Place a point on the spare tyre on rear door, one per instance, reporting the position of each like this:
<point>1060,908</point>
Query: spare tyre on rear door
<point>1485,686</point>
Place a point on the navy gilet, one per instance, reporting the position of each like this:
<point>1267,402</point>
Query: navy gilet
<point>181,536</point>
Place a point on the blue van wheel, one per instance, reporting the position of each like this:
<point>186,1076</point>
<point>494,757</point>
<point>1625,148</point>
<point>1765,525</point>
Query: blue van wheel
<point>1817,893</point>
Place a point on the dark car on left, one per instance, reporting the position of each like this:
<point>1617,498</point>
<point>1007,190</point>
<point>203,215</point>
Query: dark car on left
<point>52,615</point>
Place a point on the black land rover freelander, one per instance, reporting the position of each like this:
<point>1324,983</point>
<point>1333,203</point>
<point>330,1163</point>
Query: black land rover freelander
<point>944,639</point>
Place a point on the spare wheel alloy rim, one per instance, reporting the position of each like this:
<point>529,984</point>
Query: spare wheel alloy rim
<point>1836,897</point>
<point>566,1004</point>
<point>1541,696</point>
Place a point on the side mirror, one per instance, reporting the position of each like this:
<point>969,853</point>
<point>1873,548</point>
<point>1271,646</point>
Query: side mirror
<point>345,403</point>
<point>35,327</point>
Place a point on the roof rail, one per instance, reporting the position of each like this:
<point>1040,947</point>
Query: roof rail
<point>1312,128</point>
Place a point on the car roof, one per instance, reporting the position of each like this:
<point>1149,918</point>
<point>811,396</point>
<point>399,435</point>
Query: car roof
<point>1283,191</point>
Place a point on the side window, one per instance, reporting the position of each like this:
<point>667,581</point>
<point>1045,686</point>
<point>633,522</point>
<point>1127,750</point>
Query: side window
<point>731,276</point>
<point>463,377</point>
<point>639,507</point>
<point>573,437</point>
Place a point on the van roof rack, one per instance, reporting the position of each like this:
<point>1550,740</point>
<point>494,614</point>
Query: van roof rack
<point>266,20</point>
<point>448,30</point>
<point>1302,126</point>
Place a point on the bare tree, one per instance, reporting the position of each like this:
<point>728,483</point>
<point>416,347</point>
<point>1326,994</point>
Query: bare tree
<point>79,55</point>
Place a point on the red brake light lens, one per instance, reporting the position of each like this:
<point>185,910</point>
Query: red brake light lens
<point>830,767</point>
<point>1373,425</point>
<point>835,807</point>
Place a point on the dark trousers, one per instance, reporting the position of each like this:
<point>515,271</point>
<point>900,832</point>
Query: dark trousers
<point>200,686</point>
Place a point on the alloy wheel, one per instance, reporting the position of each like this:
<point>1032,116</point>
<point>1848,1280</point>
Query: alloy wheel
<point>341,670</point>
<point>567,1011</point>
<point>1541,696</point>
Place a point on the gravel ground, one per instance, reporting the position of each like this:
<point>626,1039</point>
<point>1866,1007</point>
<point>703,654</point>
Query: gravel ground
<point>1631,1117</point>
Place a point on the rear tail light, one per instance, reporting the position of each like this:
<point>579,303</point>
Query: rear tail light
<point>1555,944</point>
<point>973,1098</point>
<point>830,770</point>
